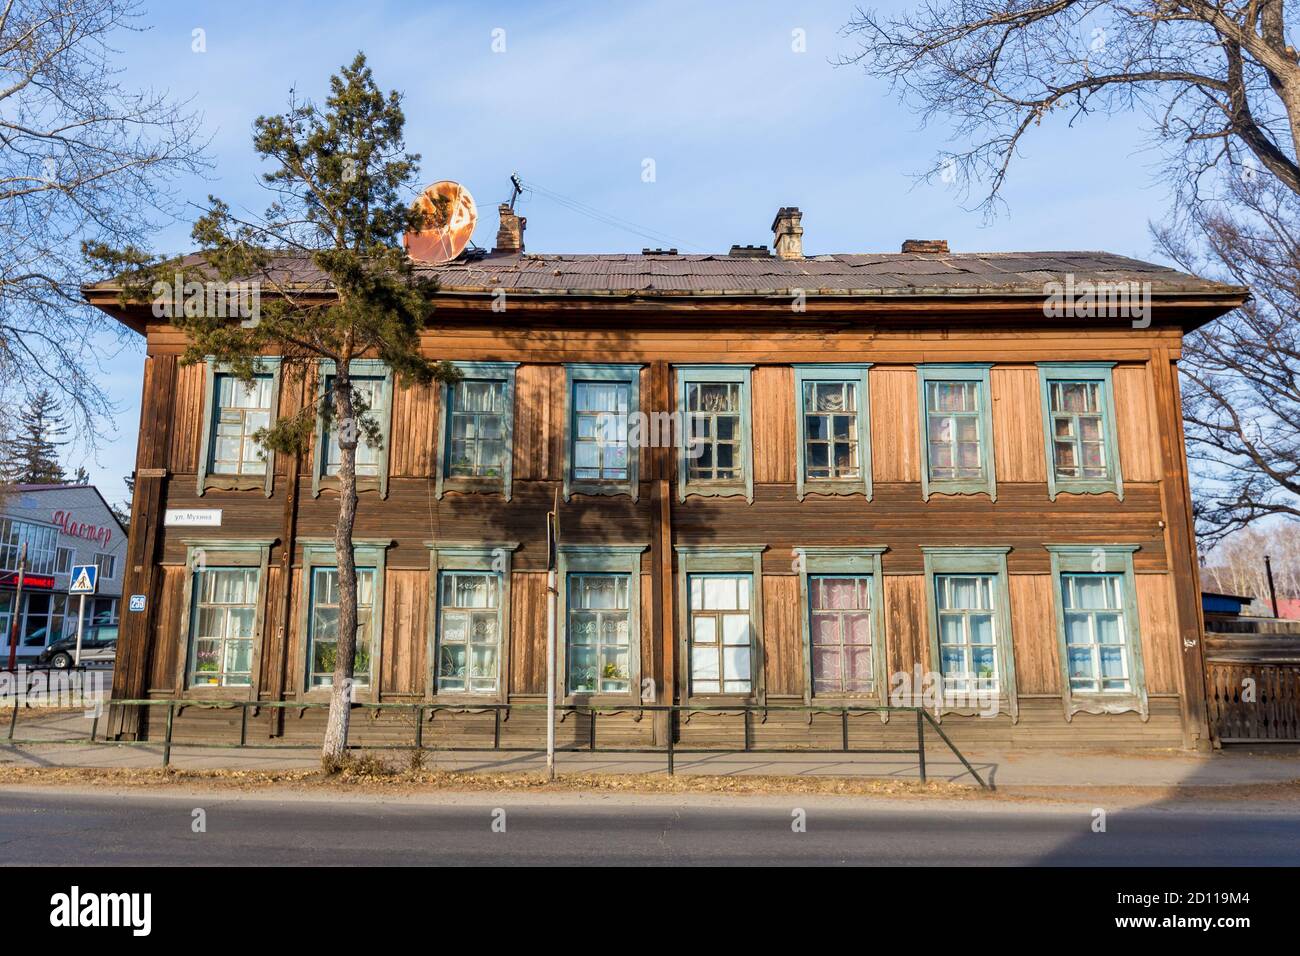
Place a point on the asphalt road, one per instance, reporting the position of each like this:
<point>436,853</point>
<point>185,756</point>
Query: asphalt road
<point>60,828</point>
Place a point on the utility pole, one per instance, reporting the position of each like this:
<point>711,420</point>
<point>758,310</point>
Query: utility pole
<point>1272,592</point>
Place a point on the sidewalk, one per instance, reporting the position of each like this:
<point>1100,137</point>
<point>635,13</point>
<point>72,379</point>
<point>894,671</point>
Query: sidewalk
<point>1233,767</point>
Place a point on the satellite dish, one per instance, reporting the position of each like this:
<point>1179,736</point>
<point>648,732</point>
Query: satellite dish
<point>449,216</point>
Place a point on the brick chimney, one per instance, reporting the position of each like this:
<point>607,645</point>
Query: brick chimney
<point>925,245</point>
<point>510,236</point>
<point>787,234</point>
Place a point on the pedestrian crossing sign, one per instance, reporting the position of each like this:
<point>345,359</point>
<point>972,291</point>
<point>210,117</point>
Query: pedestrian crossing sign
<point>84,579</point>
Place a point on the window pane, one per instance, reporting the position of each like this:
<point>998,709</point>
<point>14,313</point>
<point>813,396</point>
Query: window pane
<point>469,632</point>
<point>599,633</point>
<point>222,626</point>
<point>840,628</point>
<point>369,391</point>
<point>735,663</point>
<point>720,593</point>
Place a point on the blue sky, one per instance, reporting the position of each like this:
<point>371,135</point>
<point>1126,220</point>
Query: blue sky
<point>736,122</point>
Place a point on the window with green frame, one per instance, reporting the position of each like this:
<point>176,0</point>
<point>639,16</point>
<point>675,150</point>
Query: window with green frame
<point>476,430</point>
<point>956,430</point>
<point>223,611</point>
<point>372,384</point>
<point>600,633</point>
<point>230,458</point>
<point>969,605</point>
<point>469,608</point>
<point>600,612</point>
<point>469,648</point>
<point>832,424</point>
<point>721,625</point>
<point>601,455</point>
<point>843,622</point>
<point>721,637</point>
<point>1097,625</point>
<point>716,455</point>
<point>968,652</point>
<point>242,409</point>
<point>371,392</point>
<point>323,633</point>
<point>319,616</point>
<point>222,629</point>
<point>1079,428</point>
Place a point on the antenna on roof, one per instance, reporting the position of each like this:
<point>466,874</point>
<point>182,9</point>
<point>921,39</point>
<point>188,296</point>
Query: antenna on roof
<point>518,187</point>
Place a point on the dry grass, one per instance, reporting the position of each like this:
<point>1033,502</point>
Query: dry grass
<point>371,773</point>
<point>366,772</point>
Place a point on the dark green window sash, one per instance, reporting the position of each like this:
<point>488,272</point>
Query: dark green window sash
<point>855,377</point>
<point>976,375</point>
<point>1098,373</point>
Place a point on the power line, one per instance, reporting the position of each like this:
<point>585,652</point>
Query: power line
<point>609,219</point>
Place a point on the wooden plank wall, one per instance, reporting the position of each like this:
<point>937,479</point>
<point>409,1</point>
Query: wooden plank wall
<point>1019,452</point>
<point>895,424</point>
<point>406,616</point>
<point>1135,413</point>
<point>773,412</point>
<point>1033,634</point>
<point>414,430</point>
<point>782,636</point>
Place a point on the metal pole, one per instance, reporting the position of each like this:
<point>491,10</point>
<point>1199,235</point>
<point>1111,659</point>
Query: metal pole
<point>81,623</point>
<point>552,596</point>
<point>18,608</point>
<point>550,674</point>
<point>167,741</point>
<point>671,768</point>
<point>1272,592</point>
<point>920,742</point>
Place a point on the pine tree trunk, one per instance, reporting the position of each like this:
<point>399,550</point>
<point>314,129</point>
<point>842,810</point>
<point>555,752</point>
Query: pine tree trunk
<point>346,427</point>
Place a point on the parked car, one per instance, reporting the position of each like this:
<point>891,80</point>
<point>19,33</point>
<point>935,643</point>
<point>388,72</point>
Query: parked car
<point>98,645</point>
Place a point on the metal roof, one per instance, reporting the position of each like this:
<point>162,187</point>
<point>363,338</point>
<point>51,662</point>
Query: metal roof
<point>855,274</point>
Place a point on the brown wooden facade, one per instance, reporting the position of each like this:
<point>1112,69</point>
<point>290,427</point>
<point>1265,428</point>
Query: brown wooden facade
<point>1152,519</point>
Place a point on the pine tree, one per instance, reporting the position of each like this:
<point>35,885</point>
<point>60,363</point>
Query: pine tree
<point>31,453</point>
<point>341,179</point>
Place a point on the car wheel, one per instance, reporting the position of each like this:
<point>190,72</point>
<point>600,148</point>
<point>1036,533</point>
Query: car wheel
<point>61,661</point>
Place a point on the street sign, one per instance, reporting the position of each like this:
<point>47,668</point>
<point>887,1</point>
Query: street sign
<point>84,579</point>
<point>136,603</point>
<point>192,518</point>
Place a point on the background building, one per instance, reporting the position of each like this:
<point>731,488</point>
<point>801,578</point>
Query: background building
<point>62,526</point>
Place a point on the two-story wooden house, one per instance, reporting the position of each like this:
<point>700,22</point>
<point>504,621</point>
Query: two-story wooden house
<point>956,478</point>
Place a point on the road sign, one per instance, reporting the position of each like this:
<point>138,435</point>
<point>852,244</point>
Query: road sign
<point>136,603</point>
<point>84,579</point>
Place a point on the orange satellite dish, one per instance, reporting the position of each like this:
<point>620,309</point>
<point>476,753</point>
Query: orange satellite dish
<point>449,216</point>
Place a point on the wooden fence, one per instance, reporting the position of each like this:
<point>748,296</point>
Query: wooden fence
<point>1254,701</point>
